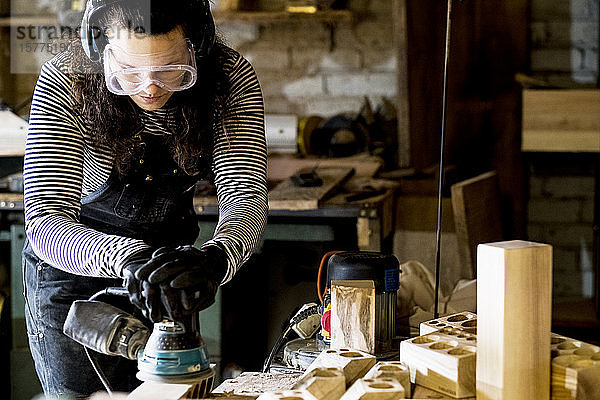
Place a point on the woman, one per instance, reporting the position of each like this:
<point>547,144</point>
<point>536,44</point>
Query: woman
<point>122,126</point>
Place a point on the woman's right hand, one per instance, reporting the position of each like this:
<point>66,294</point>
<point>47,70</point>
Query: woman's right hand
<point>142,294</point>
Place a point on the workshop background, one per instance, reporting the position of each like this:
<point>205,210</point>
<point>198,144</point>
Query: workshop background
<point>370,54</point>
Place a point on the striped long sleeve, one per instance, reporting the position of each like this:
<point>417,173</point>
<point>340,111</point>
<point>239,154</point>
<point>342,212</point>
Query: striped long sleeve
<point>62,165</point>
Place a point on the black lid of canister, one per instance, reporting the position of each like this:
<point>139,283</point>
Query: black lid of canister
<point>383,269</point>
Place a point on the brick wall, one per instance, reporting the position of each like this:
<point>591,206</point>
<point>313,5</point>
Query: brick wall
<point>309,67</point>
<point>561,212</point>
<point>564,41</point>
<point>564,51</point>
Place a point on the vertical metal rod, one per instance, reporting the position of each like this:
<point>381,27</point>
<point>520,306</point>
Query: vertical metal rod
<point>441,167</point>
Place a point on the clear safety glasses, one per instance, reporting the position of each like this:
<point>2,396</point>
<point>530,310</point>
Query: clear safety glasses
<point>127,74</point>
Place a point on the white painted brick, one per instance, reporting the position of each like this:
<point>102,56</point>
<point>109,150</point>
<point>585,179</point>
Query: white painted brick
<point>280,105</point>
<point>586,259</point>
<point>587,210</point>
<point>535,186</point>
<point>569,186</point>
<point>585,34</point>
<point>327,106</point>
<point>584,10</point>
<point>344,36</point>
<point>547,210</point>
<point>268,59</point>
<point>390,64</point>
<point>374,34</point>
<point>381,6</point>
<point>566,235</point>
<point>361,84</point>
<point>342,60</point>
<point>564,260</point>
<point>380,60</point>
<point>539,35</point>
<point>590,60</point>
<point>272,81</point>
<point>236,33</point>
<point>306,33</point>
<point>307,58</point>
<point>551,60</point>
<point>534,232</point>
<point>585,77</point>
<point>308,86</point>
<point>550,10</point>
<point>566,284</point>
<point>587,284</point>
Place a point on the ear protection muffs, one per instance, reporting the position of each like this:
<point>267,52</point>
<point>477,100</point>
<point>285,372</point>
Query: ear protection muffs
<point>94,40</point>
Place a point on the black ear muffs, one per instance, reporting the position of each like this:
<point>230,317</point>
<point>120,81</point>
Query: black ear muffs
<point>92,35</point>
<point>93,39</point>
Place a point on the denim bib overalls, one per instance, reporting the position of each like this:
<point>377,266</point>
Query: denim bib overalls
<point>153,202</point>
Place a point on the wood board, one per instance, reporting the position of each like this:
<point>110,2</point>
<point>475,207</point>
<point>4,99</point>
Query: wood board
<point>514,309</point>
<point>282,166</point>
<point>287,196</point>
<point>562,120</point>
<point>477,216</point>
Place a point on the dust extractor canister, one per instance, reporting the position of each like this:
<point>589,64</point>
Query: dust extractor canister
<point>384,271</point>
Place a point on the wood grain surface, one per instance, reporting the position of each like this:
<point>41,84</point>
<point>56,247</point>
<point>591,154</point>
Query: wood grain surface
<point>288,196</point>
<point>514,309</point>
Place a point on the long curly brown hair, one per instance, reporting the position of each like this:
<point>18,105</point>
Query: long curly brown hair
<point>114,120</point>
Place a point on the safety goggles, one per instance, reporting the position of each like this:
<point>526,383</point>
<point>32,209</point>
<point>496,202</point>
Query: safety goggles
<point>127,74</point>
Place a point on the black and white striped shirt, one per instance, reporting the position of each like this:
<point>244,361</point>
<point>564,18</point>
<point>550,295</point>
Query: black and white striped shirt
<point>62,165</point>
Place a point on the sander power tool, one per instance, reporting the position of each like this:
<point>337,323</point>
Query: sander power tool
<point>174,352</point>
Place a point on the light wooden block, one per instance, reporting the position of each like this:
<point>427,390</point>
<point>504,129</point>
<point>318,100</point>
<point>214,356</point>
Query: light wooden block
<point>561,120</point>
<point>375,389</point>
<point>443,361</point>
<point>325,383</point>
<point>391,369</point>
<point>353,315</point>
<point>353,363</point>
<point>566,372</point>
<point>287,395</point>
<point>466,321</point>
<point>561,345</point>
<point>570,357</point>
<point>514,301</point>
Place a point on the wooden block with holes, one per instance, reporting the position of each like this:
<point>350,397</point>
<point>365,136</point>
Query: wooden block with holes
<point>391,369</point>
<point>514,300</point>
<point>353,363</point>
<point>570,357</point>
<point>465,320</point>
<point>443,361</point>
<point>325,383</point>
<point>375,389</point>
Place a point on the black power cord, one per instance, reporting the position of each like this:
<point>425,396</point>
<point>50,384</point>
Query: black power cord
<point>303,323</point>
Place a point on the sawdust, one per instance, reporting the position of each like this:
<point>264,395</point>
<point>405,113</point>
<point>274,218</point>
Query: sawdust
<point>256,383</point>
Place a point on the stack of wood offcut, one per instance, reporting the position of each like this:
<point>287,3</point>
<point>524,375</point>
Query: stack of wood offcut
<point>572,359</point>
<point>443,360</point>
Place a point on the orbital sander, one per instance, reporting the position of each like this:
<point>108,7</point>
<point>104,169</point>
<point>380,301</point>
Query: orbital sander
<point>173,352</point>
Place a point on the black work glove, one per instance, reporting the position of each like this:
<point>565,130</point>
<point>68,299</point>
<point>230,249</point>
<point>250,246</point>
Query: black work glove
<point>142,294</point>
<point>187,278</point>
